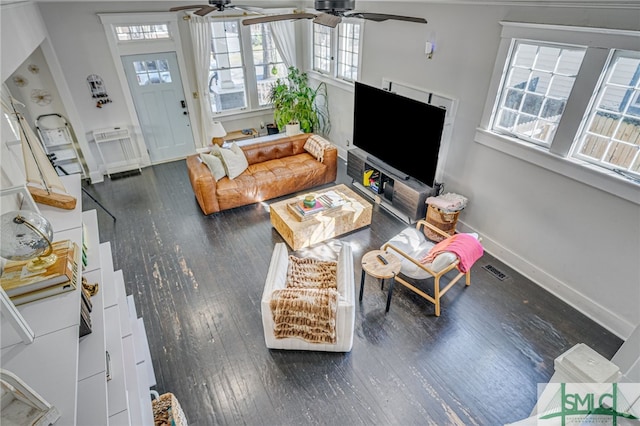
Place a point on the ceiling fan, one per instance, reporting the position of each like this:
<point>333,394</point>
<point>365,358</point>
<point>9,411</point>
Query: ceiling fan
<point>204,9</point>
<point>331,13</point>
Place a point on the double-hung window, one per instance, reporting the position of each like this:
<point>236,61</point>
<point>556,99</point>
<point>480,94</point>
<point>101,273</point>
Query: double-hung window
<point>538,83</point>
<point>244,63</point>
<point>568,99</point>
<point>336,52</point>
<point>611,135</point>
<point>267,62</point>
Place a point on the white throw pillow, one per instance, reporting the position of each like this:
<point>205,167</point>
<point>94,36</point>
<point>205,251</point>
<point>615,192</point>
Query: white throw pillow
<point>215,165</point>
<point>234,160</point>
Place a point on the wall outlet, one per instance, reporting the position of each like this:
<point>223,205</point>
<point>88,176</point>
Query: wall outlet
<point>348,142</point>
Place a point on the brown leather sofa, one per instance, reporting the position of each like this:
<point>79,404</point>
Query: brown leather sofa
<point>276,168</point>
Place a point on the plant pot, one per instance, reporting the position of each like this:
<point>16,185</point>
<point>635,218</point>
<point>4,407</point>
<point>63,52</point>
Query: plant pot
<point>293,129</point>
<point>272,129</point>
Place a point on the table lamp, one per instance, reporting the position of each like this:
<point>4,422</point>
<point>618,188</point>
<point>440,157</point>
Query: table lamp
<point>27,235</point>
<point>218,133</point>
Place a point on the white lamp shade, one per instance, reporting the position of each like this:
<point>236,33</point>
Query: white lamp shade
<point>218,130</point>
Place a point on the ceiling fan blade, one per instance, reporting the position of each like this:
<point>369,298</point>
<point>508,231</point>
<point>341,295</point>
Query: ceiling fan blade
<point>274,18</point>
<point>193,6</point>
<point>327,19</point>
<point>205,10</point>
<point>380,17</point>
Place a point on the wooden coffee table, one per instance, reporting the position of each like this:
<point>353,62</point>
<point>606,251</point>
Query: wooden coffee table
<point>355,214</point>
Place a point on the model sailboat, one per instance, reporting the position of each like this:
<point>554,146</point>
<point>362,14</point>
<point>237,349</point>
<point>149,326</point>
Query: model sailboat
<point>43,182</point>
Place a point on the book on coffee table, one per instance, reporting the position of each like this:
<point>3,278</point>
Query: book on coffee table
<point>331,199</point>
<point>301,211</point>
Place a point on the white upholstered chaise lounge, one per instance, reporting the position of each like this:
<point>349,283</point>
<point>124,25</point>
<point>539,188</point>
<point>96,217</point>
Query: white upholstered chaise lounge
<point>345,315</point>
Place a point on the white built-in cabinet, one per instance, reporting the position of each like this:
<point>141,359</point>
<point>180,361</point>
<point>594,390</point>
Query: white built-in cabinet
<point>103,378</point>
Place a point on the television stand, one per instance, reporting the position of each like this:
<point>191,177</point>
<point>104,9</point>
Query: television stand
<point>390,170</point>
<point>404,198</point>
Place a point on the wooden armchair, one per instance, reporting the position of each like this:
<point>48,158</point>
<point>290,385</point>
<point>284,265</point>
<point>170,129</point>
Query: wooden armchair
<point>411,246</point>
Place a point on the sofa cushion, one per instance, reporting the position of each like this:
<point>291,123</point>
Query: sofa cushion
<point>215,165</point>
<point>269,179</point>
<point>233,159</point>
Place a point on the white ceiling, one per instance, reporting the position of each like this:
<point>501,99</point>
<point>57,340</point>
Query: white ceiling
<point>633,4</point>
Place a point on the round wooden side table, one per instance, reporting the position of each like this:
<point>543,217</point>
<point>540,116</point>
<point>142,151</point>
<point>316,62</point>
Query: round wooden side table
<point>374,266</point>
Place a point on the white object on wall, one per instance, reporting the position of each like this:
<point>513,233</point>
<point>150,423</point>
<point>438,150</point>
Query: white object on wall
<point>117,151</point>
<point>428,49</point>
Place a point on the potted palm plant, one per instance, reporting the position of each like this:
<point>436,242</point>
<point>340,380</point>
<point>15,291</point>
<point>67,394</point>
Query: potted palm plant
<point>298,104</point>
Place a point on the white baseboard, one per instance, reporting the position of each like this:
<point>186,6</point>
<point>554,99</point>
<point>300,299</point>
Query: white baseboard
<point>606,318</point>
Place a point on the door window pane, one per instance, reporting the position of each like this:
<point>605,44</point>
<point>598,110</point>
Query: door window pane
<point>152,72</point>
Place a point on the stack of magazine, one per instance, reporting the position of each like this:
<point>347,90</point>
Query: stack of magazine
<point>326,201</point>
<point>23,285</point>
<point>331,199</point>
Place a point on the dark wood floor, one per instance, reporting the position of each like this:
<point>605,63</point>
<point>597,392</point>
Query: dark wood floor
<point>197,281</point>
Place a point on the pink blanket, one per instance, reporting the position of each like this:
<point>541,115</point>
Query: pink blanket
<point>465,246</point>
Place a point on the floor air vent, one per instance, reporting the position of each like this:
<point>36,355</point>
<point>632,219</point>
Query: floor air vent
<point>496,272</point>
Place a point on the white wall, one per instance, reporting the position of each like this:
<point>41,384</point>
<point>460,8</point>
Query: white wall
<point>577,241</point>
<point>13,19</point>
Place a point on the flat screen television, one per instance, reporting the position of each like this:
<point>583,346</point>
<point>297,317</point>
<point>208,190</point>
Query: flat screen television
<point>398,131</point>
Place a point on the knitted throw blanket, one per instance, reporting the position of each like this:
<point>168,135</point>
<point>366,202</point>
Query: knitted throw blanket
<point>311,273</point>
<point>316,145</point>
<point>305,313</point>
<point>306,308</point>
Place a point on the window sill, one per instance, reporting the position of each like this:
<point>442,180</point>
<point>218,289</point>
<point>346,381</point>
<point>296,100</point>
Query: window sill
<point>331,81</point>
<point>574,169</point>
<point>242,113</point>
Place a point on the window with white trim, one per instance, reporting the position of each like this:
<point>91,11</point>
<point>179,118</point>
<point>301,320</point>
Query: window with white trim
<point>142,32</point>
<point>267,62</point>
<point>241,72</point>
<point>336,52</point>
<point>539,80</point>
<point>611,137</point>
<point>322,56</point>
<point>348,51</point>
<point>572,92</point>
<point>226,70</point>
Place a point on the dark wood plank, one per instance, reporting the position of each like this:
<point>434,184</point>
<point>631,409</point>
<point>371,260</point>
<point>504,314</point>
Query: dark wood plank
<point>197,281</point>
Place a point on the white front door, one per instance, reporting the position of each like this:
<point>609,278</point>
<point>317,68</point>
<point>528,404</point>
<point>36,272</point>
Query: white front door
<point>156,87</point>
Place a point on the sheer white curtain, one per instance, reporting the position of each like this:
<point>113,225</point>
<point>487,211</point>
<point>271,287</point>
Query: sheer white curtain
<point>284,36</point>
<point>201,37</point>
